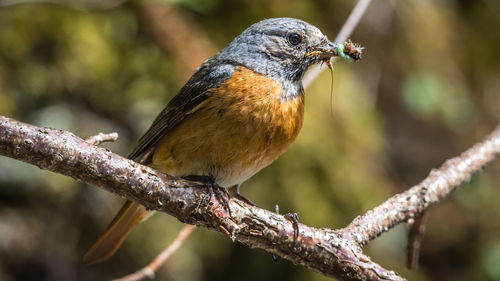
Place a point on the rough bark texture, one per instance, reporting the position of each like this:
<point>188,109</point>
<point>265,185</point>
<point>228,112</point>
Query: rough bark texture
<point>335,253</point>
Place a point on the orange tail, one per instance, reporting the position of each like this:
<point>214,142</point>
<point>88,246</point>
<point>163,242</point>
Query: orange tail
<point>112,238</point>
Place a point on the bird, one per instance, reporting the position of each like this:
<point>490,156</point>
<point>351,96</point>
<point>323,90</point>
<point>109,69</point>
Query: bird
<point>240,110</point>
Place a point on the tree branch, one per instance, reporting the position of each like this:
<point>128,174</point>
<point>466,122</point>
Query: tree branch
<point>101,137</point>
<point>417,229</point>
<point>335,253</point>
<point>434,188</point>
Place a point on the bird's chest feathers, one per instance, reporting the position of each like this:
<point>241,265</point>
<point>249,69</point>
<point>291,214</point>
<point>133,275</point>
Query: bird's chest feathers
<point>254,111</point>
<point>242,127</point>
<point>255,124</point>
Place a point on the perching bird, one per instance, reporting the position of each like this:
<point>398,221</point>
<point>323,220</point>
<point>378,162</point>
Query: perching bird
<point>240,110</point>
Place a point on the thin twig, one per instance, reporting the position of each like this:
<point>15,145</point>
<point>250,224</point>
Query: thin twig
<point>150,269</point>
<point>346,30</point>
<point>417,230</point>
<point>101,137</point>
<point>353,20</point>
<point>335,253</point>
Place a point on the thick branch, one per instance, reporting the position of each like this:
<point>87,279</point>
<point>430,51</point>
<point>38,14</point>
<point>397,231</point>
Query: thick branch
<point>333,253</point>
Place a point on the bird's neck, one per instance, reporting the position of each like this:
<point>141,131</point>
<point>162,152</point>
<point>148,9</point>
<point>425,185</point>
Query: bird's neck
<point>291,89</point>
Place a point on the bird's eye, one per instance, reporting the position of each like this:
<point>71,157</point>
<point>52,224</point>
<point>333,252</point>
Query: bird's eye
<point>294,38</point>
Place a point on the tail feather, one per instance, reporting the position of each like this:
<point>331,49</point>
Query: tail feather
<point>111,239</point>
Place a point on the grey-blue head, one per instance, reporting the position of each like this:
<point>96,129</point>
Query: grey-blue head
<point>282,48</point>
<point>279,48</point>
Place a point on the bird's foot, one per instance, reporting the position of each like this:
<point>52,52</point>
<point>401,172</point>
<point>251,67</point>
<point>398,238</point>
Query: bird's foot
<point>293,218</point>
<point>220,193</point>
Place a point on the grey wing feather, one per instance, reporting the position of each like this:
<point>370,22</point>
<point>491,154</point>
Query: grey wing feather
<point>196,90</point>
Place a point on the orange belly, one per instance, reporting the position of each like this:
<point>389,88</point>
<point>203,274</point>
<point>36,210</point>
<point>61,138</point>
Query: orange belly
<point>241,128</point>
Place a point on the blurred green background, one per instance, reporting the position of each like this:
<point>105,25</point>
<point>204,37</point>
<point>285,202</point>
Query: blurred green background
<point>427,89</point>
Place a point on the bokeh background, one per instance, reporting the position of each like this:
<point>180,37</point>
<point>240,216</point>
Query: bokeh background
<point>427,89</point>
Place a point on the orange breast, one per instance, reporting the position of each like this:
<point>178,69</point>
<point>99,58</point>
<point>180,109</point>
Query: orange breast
<point>240,129</point>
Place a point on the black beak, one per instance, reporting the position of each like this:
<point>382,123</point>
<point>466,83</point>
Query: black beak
<point>324,51</point>
<point>347,50</point>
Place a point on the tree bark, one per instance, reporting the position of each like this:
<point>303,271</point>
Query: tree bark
<point>335,253</point>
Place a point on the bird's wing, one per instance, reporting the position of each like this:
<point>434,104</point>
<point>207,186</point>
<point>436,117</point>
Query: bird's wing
<point>196,90</point>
